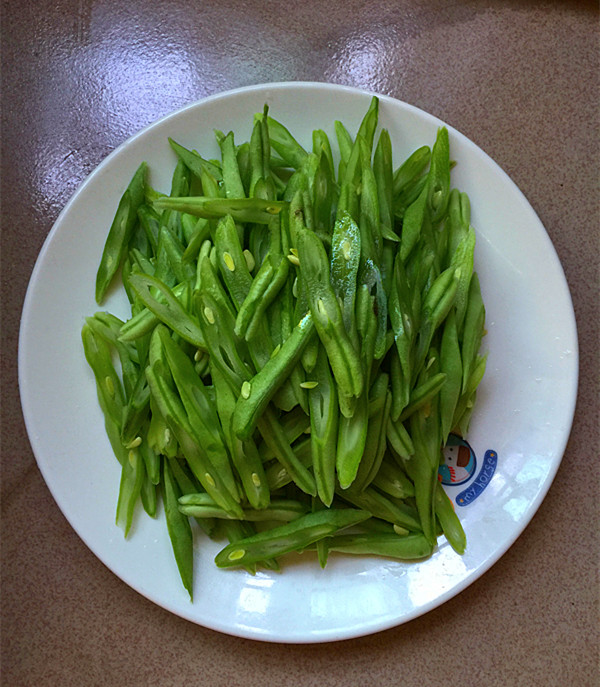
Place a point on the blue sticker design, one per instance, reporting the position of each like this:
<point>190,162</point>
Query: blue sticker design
<point>467,496</point>
<point>460,462</point>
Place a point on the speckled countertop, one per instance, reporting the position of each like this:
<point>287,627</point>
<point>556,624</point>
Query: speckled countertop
<point>520,78</point>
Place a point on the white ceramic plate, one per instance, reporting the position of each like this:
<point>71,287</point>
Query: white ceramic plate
<point>524,414</point>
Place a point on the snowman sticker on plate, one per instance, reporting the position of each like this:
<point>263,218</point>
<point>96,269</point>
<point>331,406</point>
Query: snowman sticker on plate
<point>460,466</point>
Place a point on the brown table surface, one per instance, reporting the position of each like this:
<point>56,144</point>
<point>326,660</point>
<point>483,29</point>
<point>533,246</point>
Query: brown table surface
<point>520,78</point>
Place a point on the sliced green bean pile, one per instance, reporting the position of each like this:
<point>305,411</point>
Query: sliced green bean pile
<point>305,334</point>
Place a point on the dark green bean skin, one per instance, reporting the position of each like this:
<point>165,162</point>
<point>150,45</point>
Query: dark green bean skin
<point>366,133</point>
<point>392,480</point>
<point>244,454</point>
<point>160,438</point>
<point>372,315</point>
<point>383,507</point>
<point>285,144</point>
<point>320,546</point>
<point>185,479</point>
<point>254,209</point>
<point>477,373</point>
<point>243,161</point>
<point>232,178</point>
<point>325,188</point>
<point>411,169</point>
<point>466,401</point>
<point>108,383</point>
<point>322,145</point>
<point>150,457</point>
<point>375,444</point>
<point>257,393</point>
<point>294,536</point>
<point>463,414</point>
<point>294,424</point>
<point>268,281</point>
<point>345,259</point>
<point>141,324</point>
<point>140,262</point>
<point>200,234</point>
<point>327,316</point>
<point>344,141</point>
<point>278,476</point>
<point>109,326</point>
<point>279,510</point>
<point>399,439</point>
<point>436,306</point>
<point>324,195</point>
<point>236,530</point>
<point>119,234</point>
<point>188,484</point>
<point>194,162</point>
<point>352,437</point>
<point>404,327</point>
<point>150,222</point>
<point>210,283</point>
<point>400,385</point>
<point>414,218</point>
<point>451,526</point>
<point>438,187</point>
<point>171,408</point>
<point>376,525</point>
<point>408,196</point>
<point>408,547</point>
<point>324,418</point>
<point>275,438</point>
<point>384,175</point>
<point>422,394</point>
<point>163,269</point>
<point>348,202</point>
<point>149,496</point>
<point>211,186</point>
<point>369,217</point>
<point>423,466</point>
<point>132,478</point>
<point>455,225</point>
<point>260,151</point>
<point>137,411</point>
<point>473,328</point>
<point>189,228</point>
<point>451,366</point>
<point>462,259</point>
<point>179,530</point>
<point>171,312</point>
<point>201,411</point>
<point>217,329</point>
<point>174,251</point>
<point>234,270</point>
<point>180,186</point>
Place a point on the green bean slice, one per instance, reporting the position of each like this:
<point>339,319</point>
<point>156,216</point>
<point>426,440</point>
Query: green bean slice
<point>179,530</point>
<point>115,247</point>
<point>294,536</point>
